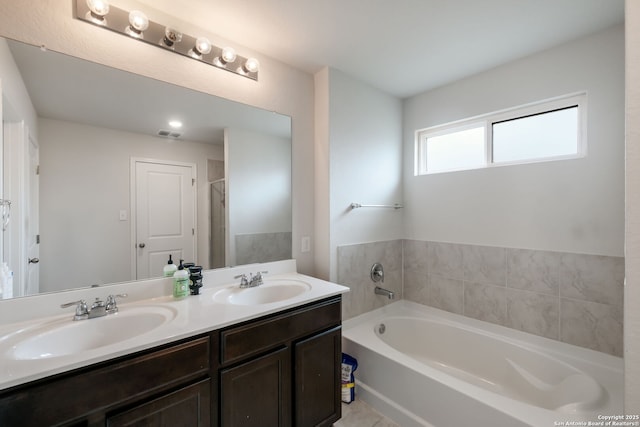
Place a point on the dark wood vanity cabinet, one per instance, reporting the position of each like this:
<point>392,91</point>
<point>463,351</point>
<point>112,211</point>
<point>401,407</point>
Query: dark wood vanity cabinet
<point>283,370</point>
<point>279,370</point>
<point>154,385</point>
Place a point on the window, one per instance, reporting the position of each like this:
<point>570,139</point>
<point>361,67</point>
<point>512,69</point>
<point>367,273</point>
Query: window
<point>550,130</point>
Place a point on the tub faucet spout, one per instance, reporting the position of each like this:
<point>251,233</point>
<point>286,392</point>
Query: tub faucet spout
<point>385,292</point>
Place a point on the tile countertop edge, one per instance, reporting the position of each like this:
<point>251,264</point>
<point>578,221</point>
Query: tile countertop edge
<point>196,315</point>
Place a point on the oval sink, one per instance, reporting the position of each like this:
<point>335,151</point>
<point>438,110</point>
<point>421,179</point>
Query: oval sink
<point>64,338</point>
<point>269,292</point>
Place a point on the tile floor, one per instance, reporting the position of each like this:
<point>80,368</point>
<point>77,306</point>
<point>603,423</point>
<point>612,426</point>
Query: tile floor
<point>359,414</point>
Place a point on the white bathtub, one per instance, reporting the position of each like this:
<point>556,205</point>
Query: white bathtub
<point>433,368</point>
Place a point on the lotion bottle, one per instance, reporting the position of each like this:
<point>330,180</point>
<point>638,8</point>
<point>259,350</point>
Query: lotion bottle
<point>169,269</point>
<point>180,282</point>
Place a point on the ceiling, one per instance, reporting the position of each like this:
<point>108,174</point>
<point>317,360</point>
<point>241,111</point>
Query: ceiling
<point>402,47</point>
<point>62,87</point>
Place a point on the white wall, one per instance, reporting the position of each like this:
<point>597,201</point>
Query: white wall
<point>365,163</point>
<point>280,88</point>
<point>632,247</point>
<point>16,100</point>
<point>259,185</point>
<point>84,183</point>
<point>572,206</point>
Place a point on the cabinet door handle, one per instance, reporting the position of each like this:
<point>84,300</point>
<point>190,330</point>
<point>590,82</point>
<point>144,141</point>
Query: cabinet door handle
<point>141,245</point>
<point>34,260</point>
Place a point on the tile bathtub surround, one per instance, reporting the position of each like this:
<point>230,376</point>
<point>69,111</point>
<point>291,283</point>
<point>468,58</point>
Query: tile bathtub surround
<point>573,298</point>
<point>354,267</point>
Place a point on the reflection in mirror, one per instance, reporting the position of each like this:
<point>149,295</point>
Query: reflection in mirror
<point>104,189</point>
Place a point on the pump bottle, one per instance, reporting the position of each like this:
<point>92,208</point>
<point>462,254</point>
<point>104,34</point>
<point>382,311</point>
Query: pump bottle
<point>169,269</point>
<point>180,282</point>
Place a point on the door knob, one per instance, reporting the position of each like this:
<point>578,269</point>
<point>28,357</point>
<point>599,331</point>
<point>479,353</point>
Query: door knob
<point>34,260</point>
<point>141,245</point>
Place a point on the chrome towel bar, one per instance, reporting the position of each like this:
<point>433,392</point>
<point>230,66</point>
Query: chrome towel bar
<point>394,206</point>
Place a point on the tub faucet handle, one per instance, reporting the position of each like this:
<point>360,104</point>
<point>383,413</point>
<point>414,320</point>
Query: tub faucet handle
<point>377,273</point>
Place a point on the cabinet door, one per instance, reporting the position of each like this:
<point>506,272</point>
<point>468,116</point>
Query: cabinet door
<point>257,393</point>
<point>317,379</point>
<point>187,407</point>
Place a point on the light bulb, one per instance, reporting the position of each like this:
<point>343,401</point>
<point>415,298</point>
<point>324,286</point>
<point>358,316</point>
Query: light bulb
<point>203,45</point>
<point>251,65</point>
<point>228,55</point>
<point>98,9</point>
<point>138,21</point>
<point>171,37</point>
<point>176,124</point>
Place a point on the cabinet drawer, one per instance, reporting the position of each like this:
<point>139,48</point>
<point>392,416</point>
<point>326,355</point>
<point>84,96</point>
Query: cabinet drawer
<point>189,406</point>
<point>89,390</point>
<point>262,335</point>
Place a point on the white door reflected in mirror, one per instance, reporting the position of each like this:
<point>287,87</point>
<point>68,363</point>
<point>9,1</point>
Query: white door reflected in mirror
<point>165,199</point>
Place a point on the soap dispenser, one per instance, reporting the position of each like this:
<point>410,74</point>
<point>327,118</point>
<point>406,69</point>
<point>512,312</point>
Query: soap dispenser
<point>170,268</point>
<point>180,282</point>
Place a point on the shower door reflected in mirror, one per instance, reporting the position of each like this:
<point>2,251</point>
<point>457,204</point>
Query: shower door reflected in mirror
<point>218,223</point>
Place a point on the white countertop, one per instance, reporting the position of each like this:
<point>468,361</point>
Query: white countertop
<point>193,315</point>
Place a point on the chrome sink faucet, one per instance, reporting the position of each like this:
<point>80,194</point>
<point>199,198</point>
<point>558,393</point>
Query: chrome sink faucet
<point>252,281</point>
<point>99,308</point>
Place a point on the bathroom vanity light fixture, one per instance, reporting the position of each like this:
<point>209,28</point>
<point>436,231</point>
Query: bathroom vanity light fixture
<point>135,24</point>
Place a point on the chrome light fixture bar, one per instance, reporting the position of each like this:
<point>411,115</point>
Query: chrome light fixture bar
<point>136,25</point>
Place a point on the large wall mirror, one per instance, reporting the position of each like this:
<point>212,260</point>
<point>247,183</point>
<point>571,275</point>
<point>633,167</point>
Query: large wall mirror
<point>103,189</point>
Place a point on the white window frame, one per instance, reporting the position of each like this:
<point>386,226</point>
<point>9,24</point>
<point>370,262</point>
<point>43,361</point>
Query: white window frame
<point>488,120</point>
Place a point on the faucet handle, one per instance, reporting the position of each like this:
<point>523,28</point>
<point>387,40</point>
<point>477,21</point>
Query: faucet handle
<point>82,310</point>
<point>244,282</point>
<point>69,304</point>
<point>257,279</point>
<point>111,306</point>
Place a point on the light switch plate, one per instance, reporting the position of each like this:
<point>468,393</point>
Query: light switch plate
<point>305,245</point>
